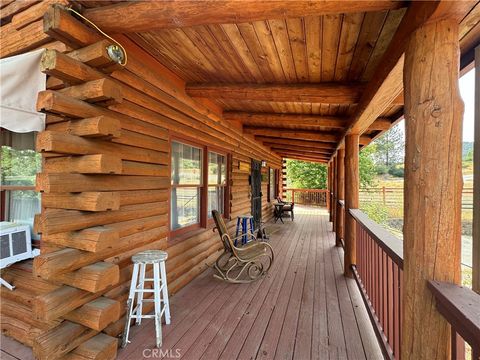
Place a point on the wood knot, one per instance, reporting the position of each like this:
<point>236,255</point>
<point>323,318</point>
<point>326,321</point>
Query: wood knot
<point>436,112</point>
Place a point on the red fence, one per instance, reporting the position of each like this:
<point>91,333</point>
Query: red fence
<point>379,272</point>
<point>315,197</point>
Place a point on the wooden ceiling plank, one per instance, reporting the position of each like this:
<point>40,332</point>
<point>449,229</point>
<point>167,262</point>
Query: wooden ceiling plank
<point>154,15</point>
<point>351,26</point>
<point>332,26</point>
<point>264,35</point>
<point>296,34</point>
<point>282,43</point>
<point>313,29</point>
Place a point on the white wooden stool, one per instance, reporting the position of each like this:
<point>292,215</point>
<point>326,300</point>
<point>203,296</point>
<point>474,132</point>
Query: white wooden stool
<point>140,261</point>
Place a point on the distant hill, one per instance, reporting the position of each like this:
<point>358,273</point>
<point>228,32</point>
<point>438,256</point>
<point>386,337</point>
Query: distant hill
<point>467,146</point>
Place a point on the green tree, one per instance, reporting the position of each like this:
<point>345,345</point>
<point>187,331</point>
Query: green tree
<point>309,175</point>
<point>306,175</point>
<point>390,147</point>
<point>366,166</point>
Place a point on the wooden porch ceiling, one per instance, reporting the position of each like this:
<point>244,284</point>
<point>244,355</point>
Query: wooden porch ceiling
<point>284,69</point>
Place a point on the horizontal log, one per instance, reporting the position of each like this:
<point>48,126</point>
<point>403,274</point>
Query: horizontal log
<point>95,55</point>
<point>19,41</point>
<point>96,314</point>
<point>279,146</point>
<point>137,17</point>
<point>90,127</point>
<point>91,239</point>
<point>138,168</point>
<point>297,142</point>
<point>33,13</point>
<point>92,278</point>
<point>87,164</point>
<point>65,260</point>
<point>60,25</point>
<point>323,93</point>
<point>61,340</point>
<point>293,134</point>
<point>87,201</point>
<point>62,183</point>
<point>100,90</point>
<point>98,347</point>
<point>65,68</point>
<point>54,102</point>
<point>54,221</point>
<point>61,143</point>
<point>301,120</point>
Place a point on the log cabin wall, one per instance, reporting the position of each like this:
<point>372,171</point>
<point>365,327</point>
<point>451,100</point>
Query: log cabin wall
<point>106,182</point>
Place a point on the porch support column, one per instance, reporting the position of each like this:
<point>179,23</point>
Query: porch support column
<point>476,180</point>
<point>433,184</point>
<point>352,182</point>
<point>329,189</point>
<point>334,188</point>
<point>340,196</point>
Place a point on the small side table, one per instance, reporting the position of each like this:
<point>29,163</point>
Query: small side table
<point>278,212</point>
<point>244,221</point>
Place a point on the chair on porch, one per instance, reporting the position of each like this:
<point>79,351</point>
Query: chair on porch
<point>287,207</point>
<point>240,264</point>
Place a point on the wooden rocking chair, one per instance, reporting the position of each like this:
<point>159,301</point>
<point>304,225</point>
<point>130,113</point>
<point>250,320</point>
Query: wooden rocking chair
<point>241,264</point>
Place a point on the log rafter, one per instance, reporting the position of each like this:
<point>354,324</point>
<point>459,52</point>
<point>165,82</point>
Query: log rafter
<point>154,15</point>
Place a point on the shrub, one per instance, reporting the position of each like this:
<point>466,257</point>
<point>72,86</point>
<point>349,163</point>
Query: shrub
<point>397,171</point>
<point>375,211</point>
<point>381,169</point>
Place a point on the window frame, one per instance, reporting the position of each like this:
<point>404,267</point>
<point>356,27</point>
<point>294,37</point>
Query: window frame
<point>204,222</point>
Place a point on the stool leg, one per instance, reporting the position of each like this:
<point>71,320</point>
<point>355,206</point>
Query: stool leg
<point>237,230</point>
<point>141,284</point>
<point>130,301</point>
<point>166,302</point>
<point>157,301</point>
<point>252,228</point>
<point>244,231</point>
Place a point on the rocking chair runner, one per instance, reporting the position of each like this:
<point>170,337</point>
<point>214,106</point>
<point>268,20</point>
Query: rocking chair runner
<point>241,264</point>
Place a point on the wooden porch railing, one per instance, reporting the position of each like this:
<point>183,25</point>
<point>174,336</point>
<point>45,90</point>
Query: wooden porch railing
<point>378,273</point>
<point>315,197</point>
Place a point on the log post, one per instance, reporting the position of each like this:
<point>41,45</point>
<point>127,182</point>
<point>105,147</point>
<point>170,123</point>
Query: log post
<point>433,184</point>
<point>330,189</point>
<point>476,180</point>
<point>334,197</point>
<point>340,196</point>
<point>351,199</point>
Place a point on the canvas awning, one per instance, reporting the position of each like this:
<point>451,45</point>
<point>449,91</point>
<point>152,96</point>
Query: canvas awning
<point>20,82</point>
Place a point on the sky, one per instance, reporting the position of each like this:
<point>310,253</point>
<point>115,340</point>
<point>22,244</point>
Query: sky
<point>467,91</point>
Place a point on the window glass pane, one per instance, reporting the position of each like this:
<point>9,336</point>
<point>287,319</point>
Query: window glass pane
<point>185,207</point>
<point>272,184</point>
<point>186,164</point>
<point>23,205</point>
<point>217,169</point>
<point>216,199</point>
<point>19,162</point>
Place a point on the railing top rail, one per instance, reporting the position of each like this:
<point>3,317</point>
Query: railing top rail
<point>308,190</point>
<point>460,306</point>
<point>392,245</point>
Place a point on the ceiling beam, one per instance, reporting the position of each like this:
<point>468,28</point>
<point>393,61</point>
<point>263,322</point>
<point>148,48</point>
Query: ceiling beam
<point>325,93</point>
<point>140,16</point>
<point>293,134</point>
<point>282,120</point>
<point>387,83</point>
<point>313,150</point>
<point>296,142</point>
<point>303,158</point>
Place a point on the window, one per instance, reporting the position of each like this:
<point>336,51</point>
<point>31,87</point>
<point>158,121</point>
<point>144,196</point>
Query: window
<point>217,182</point>
<point>199,185</point>
<point>20,164</point>
<point>186,181</point>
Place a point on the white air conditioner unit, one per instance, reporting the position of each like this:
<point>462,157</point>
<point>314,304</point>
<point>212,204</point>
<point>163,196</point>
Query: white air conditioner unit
<point>15,245</point>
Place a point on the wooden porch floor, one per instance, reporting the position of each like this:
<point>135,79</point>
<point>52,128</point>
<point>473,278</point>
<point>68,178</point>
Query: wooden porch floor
<point>304,308</point>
